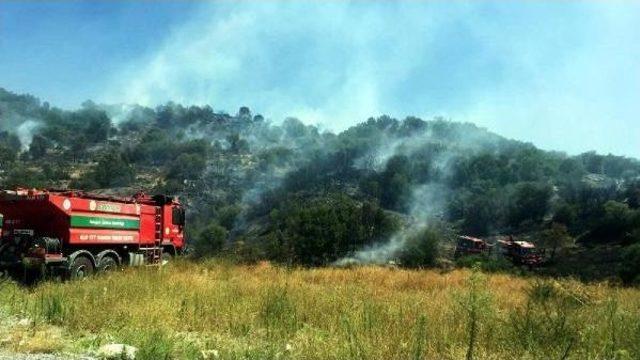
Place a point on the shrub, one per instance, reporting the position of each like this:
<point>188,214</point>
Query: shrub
<point>113,170</point>
<point>556,237</point>
<point>421,250</point>
<point>630,264</point>
<point>547,325</point>
<point>476,304</point>
<point>486,263</point>
<point>211,240</point>
<point>156,345</point>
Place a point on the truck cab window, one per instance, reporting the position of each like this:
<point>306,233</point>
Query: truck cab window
<point>178,216</point>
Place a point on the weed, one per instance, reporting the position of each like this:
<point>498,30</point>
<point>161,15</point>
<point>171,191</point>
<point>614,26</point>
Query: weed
<point>419,338</point>
<point>547,323</point>
<point>278,313</point>
<point>354,345</point>
<point>155,345</point>
<point>262,311</point>
<point>474,303</point>
<point>52,307</point>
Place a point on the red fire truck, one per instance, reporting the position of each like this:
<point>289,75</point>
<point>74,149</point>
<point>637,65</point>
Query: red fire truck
<point>522,252</point>
<point>75,233</point>
<point>468,245</point>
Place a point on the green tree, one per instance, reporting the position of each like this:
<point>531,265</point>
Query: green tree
<point>79,147</point>
<point>556,237</point>
<point>39,146</point>
<point>21,176</point>
<point>186,167</point>
<point>395,183</point>
<point>616,221</point>
<point>7,156</point>
<point>112,170</point>
<point>227,216</point>
<point>211,240</point>
<point>237,145</point>
<point>10,141</point>
<point>565,214</point>
<point>318,231</point>
<point>98,126</point>
<point>477,212</point>
<point>530,202</point>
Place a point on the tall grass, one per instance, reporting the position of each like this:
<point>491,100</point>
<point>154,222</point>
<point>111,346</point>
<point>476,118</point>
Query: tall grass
<point>475,304</point>
<point>214,310</point>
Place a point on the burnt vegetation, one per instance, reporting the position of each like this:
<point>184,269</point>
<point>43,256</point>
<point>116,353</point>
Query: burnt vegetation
<point>295,194</point>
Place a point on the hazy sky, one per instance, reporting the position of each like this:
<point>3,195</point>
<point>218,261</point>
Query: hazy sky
<point>563,75</point>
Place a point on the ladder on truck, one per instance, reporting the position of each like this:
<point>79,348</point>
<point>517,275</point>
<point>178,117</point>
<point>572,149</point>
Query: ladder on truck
<point>157,249</point>
<point>154,254</point>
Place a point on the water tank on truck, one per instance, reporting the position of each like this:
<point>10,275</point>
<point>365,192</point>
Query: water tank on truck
<point>76,234</point>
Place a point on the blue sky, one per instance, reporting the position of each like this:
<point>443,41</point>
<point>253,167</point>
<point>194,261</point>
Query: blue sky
<point>563,75</point>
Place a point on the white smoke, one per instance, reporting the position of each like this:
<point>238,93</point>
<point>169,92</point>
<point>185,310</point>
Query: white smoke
<point>25,132</point>
<point>119,113</point>
<point>428,201</point>
<point>378,254</point>
<point>336,63</point>
<point>329,63</point>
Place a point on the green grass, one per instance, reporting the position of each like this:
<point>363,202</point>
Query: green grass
<point>194,311</point>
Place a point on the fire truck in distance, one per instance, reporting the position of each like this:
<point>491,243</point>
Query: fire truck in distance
<point>518,252</point>
<point>522,252</point>
<point>468,245</point>
<point>76,234</point>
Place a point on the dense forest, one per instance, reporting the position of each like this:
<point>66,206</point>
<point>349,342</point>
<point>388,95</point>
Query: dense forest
<point>385,190</point>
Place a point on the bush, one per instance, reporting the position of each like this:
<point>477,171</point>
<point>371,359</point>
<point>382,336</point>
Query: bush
<point>22,177</point>
<point>155,345</point>
<point>630,265</point>
<point>547,324</point>
<point>186,167</point>
<point>485,263</point>
<point>112,170</point>
<point>556,237</point>
<point>421,250</point>
<point>211,240</point>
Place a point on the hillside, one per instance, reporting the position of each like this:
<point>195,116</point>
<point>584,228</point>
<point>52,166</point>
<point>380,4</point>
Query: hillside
<point>291,193</point>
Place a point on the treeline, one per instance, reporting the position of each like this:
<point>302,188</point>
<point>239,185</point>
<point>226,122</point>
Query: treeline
<point>295,194</point>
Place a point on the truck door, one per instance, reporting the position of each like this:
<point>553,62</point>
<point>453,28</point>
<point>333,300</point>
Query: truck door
<point>178,221</point>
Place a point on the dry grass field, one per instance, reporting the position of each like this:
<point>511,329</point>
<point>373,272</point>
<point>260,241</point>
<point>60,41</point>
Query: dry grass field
<point>219,310</point>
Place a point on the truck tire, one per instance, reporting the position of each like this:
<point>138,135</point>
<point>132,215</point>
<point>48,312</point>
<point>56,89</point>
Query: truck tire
<point>167,257</point>
<point>81,268</point>
<point>107,263</point>
<point>31,276</point>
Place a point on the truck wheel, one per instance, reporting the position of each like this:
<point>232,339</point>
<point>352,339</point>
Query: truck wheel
<point>31,276</point>
<point>81,268</point>
<point>167,257</point>
<point>107,263</point>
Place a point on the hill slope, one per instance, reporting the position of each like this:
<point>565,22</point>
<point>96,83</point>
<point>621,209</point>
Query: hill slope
<point>295,194</point>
